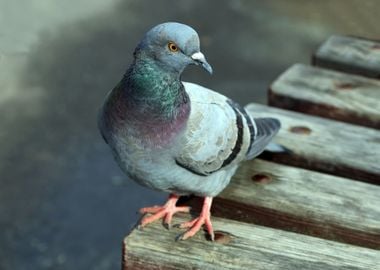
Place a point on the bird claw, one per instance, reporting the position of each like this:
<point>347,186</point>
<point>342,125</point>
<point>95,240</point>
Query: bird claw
<point>167,226</point>
<point>166,212</point>
<point>179,237</point>
<point>211,236</point>
<point>169,209</point>
<point>196,224</point>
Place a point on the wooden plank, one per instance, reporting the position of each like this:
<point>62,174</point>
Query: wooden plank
<point>351,55</point>
<point>325,145</point>
<point>327,93</point>
<point>303,201</point>
<point>241,246</point>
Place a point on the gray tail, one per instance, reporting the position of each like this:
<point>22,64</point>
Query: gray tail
<point>266,128</point>
<point>277,148</point>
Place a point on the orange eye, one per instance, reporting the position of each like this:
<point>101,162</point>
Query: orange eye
<point>172,47</point>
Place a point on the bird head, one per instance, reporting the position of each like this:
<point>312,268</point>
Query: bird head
<point>174,46</point>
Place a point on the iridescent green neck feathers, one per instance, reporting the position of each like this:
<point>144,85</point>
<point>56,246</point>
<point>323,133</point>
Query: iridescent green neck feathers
<point>154,91</point>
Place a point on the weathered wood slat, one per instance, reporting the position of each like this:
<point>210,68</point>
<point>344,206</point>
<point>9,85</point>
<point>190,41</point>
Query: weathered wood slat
<point>327,93</point>
<point>325,145</point>
<point>241,246</point>
<point>351,55</point>
<point>303,201</point>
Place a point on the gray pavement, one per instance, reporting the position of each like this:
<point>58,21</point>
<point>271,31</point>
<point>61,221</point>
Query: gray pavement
<point>64,203</point>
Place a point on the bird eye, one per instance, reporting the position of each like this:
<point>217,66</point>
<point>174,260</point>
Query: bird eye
<point>172,47</point>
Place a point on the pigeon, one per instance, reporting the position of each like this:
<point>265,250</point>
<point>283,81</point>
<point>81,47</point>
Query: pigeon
<point>174,136</point>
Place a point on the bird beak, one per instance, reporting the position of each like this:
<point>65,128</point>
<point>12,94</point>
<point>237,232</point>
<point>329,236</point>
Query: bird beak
<point>199,59</point>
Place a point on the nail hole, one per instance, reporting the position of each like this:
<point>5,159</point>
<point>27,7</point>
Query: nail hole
<point>222,237</point>
<point>376,47</point>
<point>261,178</point>
<point>300,130</point>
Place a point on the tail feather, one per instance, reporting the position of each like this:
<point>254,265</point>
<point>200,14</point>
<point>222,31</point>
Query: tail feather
<point>266,128</point>
<point>277,148</point>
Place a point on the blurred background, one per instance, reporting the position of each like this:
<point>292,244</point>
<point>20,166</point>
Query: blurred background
<point>64,203</point>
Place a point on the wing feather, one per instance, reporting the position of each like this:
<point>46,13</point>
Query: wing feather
<point>220,132</point>
<point>216,134</point>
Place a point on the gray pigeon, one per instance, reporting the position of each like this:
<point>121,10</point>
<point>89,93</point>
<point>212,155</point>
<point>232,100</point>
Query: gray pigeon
<point>176,136</point>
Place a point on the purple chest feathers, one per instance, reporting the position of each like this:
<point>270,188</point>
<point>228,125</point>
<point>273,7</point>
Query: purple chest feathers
<point>159,131</point>
<point>150,125</point>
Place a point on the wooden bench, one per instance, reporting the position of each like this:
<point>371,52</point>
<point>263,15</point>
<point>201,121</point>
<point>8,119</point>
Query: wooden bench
<point>317,207</point>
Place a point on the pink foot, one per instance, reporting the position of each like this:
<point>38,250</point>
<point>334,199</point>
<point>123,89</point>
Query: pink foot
<point>166,211</point>
<point>196,224</point>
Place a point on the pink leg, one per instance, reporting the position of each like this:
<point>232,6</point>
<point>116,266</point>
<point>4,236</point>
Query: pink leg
<point>166,211</point>
<point>196,224</point>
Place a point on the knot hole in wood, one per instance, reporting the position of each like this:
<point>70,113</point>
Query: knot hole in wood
<point>261,178</point>
<point>222,237</point>
<point>346,85</point>
<point>300,130</point>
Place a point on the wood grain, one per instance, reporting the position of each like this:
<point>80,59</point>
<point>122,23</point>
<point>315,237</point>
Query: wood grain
<point>325,145</point>
<point>326,93</point>
<point>303,201</point>
<point>351,55</point>
<point>241,246</point>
